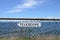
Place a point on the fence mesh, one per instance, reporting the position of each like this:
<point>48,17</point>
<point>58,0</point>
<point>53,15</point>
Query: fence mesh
<point>48,30</point>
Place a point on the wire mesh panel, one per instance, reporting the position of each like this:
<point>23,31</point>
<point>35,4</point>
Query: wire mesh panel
<point>29,29</point>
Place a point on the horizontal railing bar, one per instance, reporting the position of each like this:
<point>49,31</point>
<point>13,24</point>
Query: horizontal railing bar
<point>29,19</point>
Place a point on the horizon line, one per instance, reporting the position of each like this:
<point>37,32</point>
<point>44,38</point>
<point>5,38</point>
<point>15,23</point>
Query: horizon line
<point>29,18</point>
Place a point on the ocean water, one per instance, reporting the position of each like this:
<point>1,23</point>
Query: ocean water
<point>46,28</point>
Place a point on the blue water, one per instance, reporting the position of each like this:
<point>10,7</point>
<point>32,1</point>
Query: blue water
<point>46,28</point>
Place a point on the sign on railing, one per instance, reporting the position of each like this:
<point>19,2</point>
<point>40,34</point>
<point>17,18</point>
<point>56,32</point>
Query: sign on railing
<point>29,24</point>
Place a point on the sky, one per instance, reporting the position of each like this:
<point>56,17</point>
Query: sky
<point>29,8</point>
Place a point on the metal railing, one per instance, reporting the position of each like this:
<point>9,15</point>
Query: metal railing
<point>26,33</point>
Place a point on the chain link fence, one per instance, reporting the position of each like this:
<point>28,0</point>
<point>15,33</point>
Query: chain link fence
<point>41,30</point>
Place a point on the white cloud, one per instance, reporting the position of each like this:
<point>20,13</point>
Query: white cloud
<point>14,11</point>
<point>25,5</point>
<point>29,4</point>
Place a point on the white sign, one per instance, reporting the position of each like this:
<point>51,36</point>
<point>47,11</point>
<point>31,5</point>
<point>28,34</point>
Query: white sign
<point>29,24</point>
